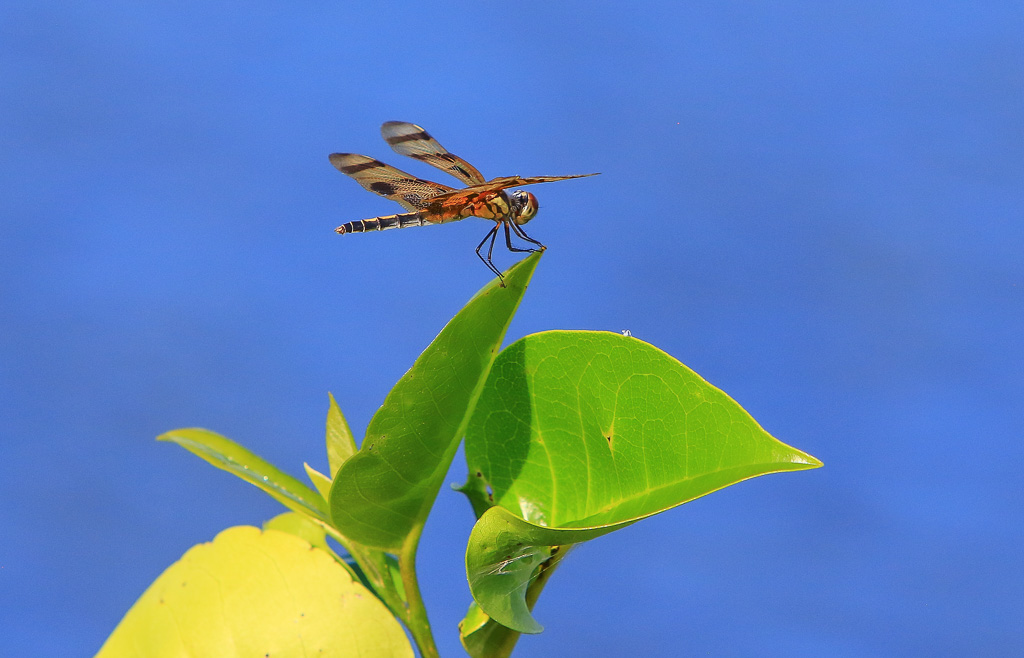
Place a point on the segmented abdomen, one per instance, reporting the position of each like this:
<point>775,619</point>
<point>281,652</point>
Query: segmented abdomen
<point>383,223</point>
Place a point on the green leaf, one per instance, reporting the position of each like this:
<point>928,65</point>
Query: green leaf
<point>256,593</point>
<point>319,480</point>
<point>482,637</point>
<point>383,493</point>
<point>580,433</point>
<point>224,453</point>
<point>340,443</point>
<point>474,621</point>
<point>504,557</point>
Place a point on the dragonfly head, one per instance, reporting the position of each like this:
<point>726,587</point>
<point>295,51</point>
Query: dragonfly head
<point>524,206</point>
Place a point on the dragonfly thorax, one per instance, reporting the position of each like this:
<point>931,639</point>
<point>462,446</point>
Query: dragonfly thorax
<point>524,206</point>
<point>489,205</point>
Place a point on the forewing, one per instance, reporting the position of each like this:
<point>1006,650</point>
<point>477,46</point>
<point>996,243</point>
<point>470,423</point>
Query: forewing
<point>411,192</point>
<point>415,142</point>
<point>504,182</point>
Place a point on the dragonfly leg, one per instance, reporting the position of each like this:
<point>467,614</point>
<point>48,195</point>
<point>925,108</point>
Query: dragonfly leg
<point>491,235</point>
<point>522,233</point>
<point>508,241</point>
<point>490,250</point>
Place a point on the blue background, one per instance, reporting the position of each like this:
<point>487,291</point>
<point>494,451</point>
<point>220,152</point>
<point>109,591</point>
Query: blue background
<point>817,206</point>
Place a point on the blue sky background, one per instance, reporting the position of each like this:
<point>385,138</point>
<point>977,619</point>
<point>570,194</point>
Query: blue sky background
<point>816,206</point>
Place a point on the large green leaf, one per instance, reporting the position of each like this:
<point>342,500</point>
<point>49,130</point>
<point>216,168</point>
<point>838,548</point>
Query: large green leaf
<point>256,593</point>
<point>384,492</point>
<point>224,453</point>
<point>580,433</point>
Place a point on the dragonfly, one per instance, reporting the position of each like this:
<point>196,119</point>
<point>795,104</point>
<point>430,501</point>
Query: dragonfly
<point>427,202</point>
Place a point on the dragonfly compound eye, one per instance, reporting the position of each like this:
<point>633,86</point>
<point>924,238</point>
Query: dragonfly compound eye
<point>527,205</point>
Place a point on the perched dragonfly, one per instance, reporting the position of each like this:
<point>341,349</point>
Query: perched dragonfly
<point>433,203</point>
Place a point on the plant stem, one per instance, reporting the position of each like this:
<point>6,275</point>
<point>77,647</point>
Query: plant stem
<point>416,620</point>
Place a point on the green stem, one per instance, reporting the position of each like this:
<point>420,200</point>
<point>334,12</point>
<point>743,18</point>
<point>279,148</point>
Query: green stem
<point>537,586</point>
<point>416,620</point>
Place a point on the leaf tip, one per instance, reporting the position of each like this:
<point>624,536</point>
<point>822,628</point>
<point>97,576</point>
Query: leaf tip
<point>172,436</point>
<point>806,460</point>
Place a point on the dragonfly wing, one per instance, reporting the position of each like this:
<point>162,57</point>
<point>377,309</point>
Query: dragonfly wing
<point>504,182</point>
<point>411,192</point>
<point>415,142</point>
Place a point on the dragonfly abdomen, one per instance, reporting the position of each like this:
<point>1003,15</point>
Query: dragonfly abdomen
<point>383,223</point>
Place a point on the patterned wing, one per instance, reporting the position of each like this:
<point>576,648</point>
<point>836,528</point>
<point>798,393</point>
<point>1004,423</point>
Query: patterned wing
<point>502,183</point>
<point>413,141</point>
<point>413,193</point>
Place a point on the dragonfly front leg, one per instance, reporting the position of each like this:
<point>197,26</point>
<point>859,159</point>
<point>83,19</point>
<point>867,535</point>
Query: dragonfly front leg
<point>508,241</point>
<point>491,235</point>
<point>522,233</point>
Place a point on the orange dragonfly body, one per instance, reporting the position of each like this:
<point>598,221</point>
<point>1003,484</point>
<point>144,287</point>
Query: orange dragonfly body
<point>432,203</point>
